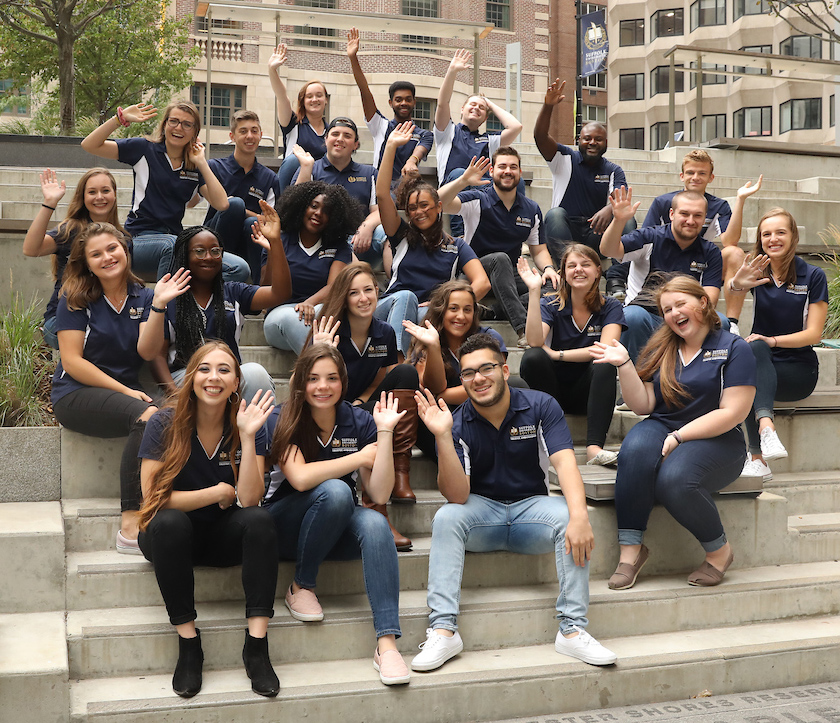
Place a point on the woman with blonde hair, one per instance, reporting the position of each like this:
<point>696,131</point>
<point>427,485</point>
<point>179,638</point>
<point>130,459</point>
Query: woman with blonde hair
<point>696,382</point>
<point>202,476</point>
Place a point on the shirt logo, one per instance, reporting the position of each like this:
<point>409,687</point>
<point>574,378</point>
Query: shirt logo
<point>524,431</point>
<point>357,179</point>
<point>135,312</point>
<point>526,222</point>
<point>224,458</point>
<point>189,175</point>
<point>715,354</point>
<point>602,178</point>
<point>256,192</point>
<point>449,248</point>
<point>698,266</point>
<point>327,253</point>
<point>377,351</point>
<point>229,306</point>
<point>593,330</point>
<point>800,289</point>
<point>345,444</point>
<point>482,138</point>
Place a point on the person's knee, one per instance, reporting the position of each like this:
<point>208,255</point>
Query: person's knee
<point>170,527</point>
<point>534,360</point>
<point>760,348</point>
<point>732,257</point>
<point>235,205</point>
<point>334,498</point>
<point>372,528</point>
<point>147,415</point>
<point>449,518</point>
<point>405,377</point>
<point>259,525</point>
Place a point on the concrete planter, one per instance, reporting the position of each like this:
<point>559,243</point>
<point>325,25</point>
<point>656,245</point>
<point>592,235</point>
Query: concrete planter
<point>32,464</point>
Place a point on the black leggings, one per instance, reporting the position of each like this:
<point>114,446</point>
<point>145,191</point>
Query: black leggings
<point>174,543</point>
<point>402,376</point>
<point>104,413</point>
<point>580,387</point>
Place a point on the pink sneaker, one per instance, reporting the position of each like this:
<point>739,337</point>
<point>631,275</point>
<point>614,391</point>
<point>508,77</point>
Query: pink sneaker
<point>392,668</point>
<point>304,605</point>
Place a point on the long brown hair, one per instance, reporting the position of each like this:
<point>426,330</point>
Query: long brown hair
<point>789,274</point>
<point>433,237</point>
<point>159,136</point>
<point>79,284</point>
<point>301,108</point>
<point>296,425</point>
<point>78,216</point>
<point>177,439</point>
<point>593,300</point>
<point>661,351</point>
<point>335,305</point>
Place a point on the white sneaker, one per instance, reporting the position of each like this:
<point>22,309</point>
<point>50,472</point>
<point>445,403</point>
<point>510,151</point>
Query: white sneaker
<point>756,468</point>
<point>734,329</point>
<point>771,445</point>
<point>584,647</point>
<point>436,650</point>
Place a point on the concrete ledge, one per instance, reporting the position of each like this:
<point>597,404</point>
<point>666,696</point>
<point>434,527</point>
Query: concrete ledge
<point>32,469</point>
<point>90,467</point>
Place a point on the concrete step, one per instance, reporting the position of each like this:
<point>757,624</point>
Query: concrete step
<point>31,557</point>
<point>535,680</point>
<point>819,535</point>
<point>810,493</point>
<point>34,677</point>
<point>139,641</point>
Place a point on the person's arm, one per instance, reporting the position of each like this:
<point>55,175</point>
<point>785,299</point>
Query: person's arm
<point>512,127</point>
<point>579,536</point>
<point>388,214</point>
<point>713,292</point>
<point>284,107</point>
<point>306,308</point>
<point>637,394</point>
<point>623,209</point>
<point>546,145</point>
<point>377,380</point>
<point>542,258</point>
<point>151,341</point>
<point>732,235</point>
<point>536,330</point>
<point>472,176</point>
<point>37,242</point>
<point>212,189</point>
<point>221,494</point>
<point>453,482</point>
<point>252,415</point>
<point>368,103</point>
<point>810,335</point>
<point>477,277</point>
<point>305,476</point>
<point>412,163</point>
<point>364,234</point>
<point>434,373</point>
<point>97,141</point>
<point>160,371</point>
<point>381,481</point>
<point>460,61</point>
<point>277,268</point>
<point>306,161</point>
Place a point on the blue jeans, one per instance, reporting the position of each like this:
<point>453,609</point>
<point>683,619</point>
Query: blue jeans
<point>325,523</point>
<point>284,329</point>
<point>48,330</point>
<point>234,226</point>
<point>396,307</point>
<point>533,526</point>
<point>682,483</point>
<point>373,255</point>
<point>153,255</point>
<point>640,326</point>
<point>287,170</point>
<point>562,229</point>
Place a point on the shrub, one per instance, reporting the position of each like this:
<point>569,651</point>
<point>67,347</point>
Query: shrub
<point>831,238</point>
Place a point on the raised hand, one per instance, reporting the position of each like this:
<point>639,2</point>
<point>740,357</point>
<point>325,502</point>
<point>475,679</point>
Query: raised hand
<point>253,415</point>
<point>304,157</point>
<point>435,414</point>
<point>614,353</point>
<point>386,413</point>
<point>139,113</point>
<point>171,286</point>
<point>401,134</point>
<point>325,330</point>
<point>461,60</point>
<point>529,275</point>
<point>269,223</point>
<point>196,152</point>
<point>554,93</point>
<point>352,42</point>
<point>278,57</point>
<point>427,335</point>
<point>621,201</point>
<point>474,173</point>
<point>751,273</point>
<point>51,188</point>
<point>748,189</point>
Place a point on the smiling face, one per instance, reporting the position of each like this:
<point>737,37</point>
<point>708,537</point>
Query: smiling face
<point>474,112</point>
<point>341,141</point>
<point>485,390</point>
<point>687,219</point>
<point>403,104</point>
<point>315,217</point>
<point>179,135</point>
<point>506,172</point>
<point>100,197</point>
<point>246,136</point>
<point>362,296</point>
<point>580,272</point>
<point>215,378</point>
<point>592,143</point>
<point>323,384</point>
<point>776,237</point>
<point>458,317</point>
<point>315,100</point>
<point>105,257</point>
<point>422,211</point>
<point>696,176</point>
<point>206,268</point>
<point>685,314</point>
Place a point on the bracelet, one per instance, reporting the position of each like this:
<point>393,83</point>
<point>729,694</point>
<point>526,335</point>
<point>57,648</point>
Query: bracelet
<point>359,399</point>
<point>732,286</point>
<point>381,431</point>
<point>547,267</point>
<point>775,341</point>
<point>626,361</point>
<point>52,208</point>
<point>156,310</point>
<point>121,118</point>
<point>676,435</point>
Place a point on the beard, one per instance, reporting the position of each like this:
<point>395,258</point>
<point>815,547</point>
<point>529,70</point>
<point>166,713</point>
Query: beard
<point>494,398</point>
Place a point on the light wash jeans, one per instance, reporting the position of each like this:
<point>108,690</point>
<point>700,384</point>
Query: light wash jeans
<point>48,329</point>
<point>533,526</point>
<point>287,170</point>
<point>325,523</point>
<point>284,330</point>
<point>396,307</point>
<point>153,255</point>
<point>254,378</point>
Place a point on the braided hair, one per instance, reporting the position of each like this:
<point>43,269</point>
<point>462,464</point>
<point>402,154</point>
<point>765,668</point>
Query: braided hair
<point>190,321</point>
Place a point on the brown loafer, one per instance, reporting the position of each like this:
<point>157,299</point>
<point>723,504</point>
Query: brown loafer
<point>708,575</point>
<point>625,574</point>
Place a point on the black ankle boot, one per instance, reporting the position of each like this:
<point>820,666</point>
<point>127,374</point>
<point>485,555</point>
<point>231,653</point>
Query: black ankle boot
<point>187,679</point>
<point>258,666</point>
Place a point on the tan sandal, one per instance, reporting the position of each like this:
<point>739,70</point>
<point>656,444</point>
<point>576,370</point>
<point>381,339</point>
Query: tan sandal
<point>707,575</point>
<point>625,574</point>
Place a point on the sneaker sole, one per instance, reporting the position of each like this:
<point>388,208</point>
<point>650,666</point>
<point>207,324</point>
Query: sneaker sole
<point>125,550</point>
<point>425,667</point>
<point>590,661</point>
<point>304,617</point>
<point>771,457</point>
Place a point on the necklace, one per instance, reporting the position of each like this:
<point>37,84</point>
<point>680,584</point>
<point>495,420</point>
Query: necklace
<point>117,304</point>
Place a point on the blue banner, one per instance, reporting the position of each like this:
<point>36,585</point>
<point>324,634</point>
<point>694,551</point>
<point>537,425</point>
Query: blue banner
<point>594,46</point>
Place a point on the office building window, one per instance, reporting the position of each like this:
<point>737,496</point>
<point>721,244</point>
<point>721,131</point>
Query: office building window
<point>632,138</point>
<point>714,126</point>
<point>308,37</point>
<point>659,134</point>
<point>631,86</point>
<point>596,81</point>
<point>801,46</point>
<point>751,7</point>
<point>659,80</point>
<point>423,114</point>
<point>665,23</point>
<point>708,78</point>
<point>594,113</point>
<point>800,114</point>
<point>420,9</point>
<point>750,122</point>
<point>753,49</point>
<point>498,12</point>
<point>631,32</point>
<point>225,100</point>
<point>18,101</point>
<point>707,12</point>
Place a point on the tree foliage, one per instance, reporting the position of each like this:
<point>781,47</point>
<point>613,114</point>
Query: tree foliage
<point>817,18</point>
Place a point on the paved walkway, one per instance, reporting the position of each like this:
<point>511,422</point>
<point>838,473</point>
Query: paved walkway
<point>802,704</point>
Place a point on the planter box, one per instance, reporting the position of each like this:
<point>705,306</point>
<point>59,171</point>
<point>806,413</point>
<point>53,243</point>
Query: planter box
<point>32,465</point>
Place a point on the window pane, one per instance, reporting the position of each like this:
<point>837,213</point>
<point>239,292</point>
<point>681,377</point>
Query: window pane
<point>224,102</point>
<point>751,7</point>
<point>659,80</point>
<point>801,46</point>
<point>659,134</point>
<point>422,115</point>
<point>753,49</point>
<point>707,12</point>
<point>753,122</point>
<point>594,113</point>
<point>666,22</point>
<point>632,138</point>
<point>631,32</point>
<point>708,78</point>
<point>631,87</point>
<point>420,8</point>
<point>498,12</point>
<point>597,81</point>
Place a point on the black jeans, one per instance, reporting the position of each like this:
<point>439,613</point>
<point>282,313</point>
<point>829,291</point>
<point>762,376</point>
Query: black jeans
<point>402,376</point>
<point>174,543</point>
<point>508,288</point>
<point>104,413</point>
<point>579,387</point>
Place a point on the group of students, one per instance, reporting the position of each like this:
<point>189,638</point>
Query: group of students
<point>219,475</point>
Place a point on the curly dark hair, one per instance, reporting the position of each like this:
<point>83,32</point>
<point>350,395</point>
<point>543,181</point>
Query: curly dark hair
<point>190,322</point>
<point>343,214</point>
<point>433,237</point>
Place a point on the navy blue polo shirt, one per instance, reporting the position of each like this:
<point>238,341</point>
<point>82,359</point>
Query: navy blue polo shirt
<point>489,227</point>
<point>259,184</point>
<point>358,178</point>
<point>354,430</point>
<point>304,135</point>
<point>238,297</point>
<point>724,360</point>
<point>110,338</point>
<point>582,189</point>
<point>380,128</point>
<point>457,144</point>
<point>310,268</point>
<point>453,371</point>
<point>161,192</point>
<point>718,214</point>
<point>380,350</point>
<point>564,332</point>
<point>204,468</point>
<point>420,272</point>
<point>511,463</point>
<point>783,309</point>
<point>654,249</point>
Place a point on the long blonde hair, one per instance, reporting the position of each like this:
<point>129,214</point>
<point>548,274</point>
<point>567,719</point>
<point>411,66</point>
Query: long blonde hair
<point>789,273</point>
<point>177,439</point>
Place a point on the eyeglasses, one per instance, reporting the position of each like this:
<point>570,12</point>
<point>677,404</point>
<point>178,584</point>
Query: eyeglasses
<point>175,122</point>
<point>467,375</point>
<point>201,252</point>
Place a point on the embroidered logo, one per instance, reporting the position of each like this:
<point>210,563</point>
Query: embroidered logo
<point>526,222</point>
<point>189,176</point>
<point>377,351</point>
<point>327,253</point>
<point>698,267</point>
<point>449,248</point>
<point>256,192</point>
<point>356,179</point>
<point>800,289</point>
<point>593,330</point>
<point>715,354</point>
<point>229,306</point>
<point>524,431</point>
<point>345,444</point>
<point>136,312</point>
